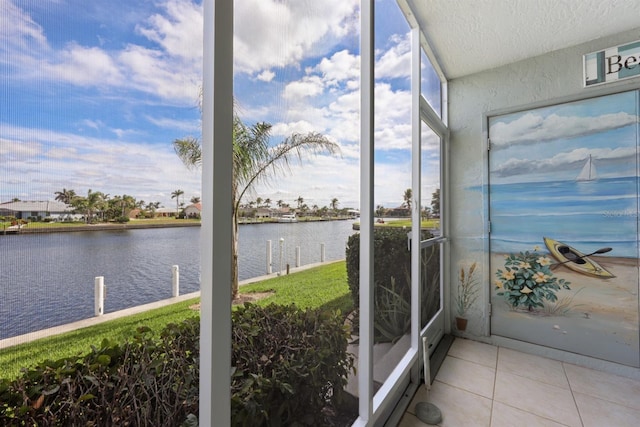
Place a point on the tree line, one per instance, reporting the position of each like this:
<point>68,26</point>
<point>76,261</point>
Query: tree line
<point>98,206</point>
<point>301,207</point>
<point>427,212</point>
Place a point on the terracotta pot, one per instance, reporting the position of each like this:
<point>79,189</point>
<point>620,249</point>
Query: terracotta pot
<point>461,323</point>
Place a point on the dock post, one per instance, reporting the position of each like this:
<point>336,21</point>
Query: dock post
<point>99,296</point>
<point>268,256</point>
<point>281,249</point>
<point>297,256</point>
<point>175,280</point>
<point>321,252</point>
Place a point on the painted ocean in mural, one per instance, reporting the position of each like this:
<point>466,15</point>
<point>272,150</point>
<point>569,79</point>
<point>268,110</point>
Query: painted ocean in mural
<point>587,215</point>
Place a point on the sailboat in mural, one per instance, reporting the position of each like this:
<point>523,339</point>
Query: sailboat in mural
<point>588,172</point>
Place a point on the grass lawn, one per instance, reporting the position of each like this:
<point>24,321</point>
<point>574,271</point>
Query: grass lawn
<point>324,286</point>
<point>406,222</point>
<point>63,224</point>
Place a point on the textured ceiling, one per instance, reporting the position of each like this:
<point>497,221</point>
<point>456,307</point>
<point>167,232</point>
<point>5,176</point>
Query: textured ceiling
<point>468,36</point>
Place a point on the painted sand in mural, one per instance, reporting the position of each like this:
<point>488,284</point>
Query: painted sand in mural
<point>564,227</point>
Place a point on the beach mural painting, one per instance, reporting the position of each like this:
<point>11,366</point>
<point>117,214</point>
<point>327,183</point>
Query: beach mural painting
<point>563,191</point>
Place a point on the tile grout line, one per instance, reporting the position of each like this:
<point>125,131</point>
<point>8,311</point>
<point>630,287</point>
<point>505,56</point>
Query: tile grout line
<point>495,382</point>
<point>540,382</point>
<point>573,396</point>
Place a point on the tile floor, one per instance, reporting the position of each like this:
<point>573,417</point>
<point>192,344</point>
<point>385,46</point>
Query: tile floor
<point>486,386</point>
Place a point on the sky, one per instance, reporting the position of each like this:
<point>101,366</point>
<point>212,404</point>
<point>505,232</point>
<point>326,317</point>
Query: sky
<point>93,94</point>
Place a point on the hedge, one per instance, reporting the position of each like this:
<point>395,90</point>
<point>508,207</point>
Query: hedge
<point>288,365</point>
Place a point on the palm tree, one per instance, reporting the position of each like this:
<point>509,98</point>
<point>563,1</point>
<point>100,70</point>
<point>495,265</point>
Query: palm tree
<point>300,201</point>
<point>176,195</point>
<point>127,203</point>
<point>152,207</point>
<point>94,201</point>
<point>435,202</point>
<point>408,194</point>
<point>195,200</point>
<point>255,161</point>
<point>65,196</point>
<point>259,202</point>
<point>267,202</point>
<point>334,204</point>
<point>280,203</point>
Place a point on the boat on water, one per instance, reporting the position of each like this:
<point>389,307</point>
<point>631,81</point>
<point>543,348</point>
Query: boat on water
<point>588,172</point>
<point>575,260</point>
<point>288,218</point>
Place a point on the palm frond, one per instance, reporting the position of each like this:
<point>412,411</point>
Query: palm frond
<point>278,159</point>
<point>189,151</point>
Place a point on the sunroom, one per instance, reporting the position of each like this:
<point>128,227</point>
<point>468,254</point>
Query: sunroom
<point>537,260</point>
<point>512,124</point>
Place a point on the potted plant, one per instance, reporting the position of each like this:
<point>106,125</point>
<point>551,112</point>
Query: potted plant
<point>467,295</point>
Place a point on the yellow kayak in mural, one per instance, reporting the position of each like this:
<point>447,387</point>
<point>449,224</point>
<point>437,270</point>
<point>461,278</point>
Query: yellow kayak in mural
<point>575,260</point>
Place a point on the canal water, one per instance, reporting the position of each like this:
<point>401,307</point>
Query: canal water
<point>48,279</point>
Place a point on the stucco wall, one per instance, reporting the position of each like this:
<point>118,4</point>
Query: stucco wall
<point>544,80</point>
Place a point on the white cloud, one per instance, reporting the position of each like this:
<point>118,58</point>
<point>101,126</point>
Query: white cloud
<point>395,62</point>
<point>266,76</point>
<point>192,126</point>
<point>18,31</point>
<point>272,33</point>
<point>309,86</point>
<point>93,124</point>
<point>179,32</point>
<point>341,66</point>
<point>85,66</point>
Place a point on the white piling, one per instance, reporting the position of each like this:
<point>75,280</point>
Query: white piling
<point>268,256</point>
<point>281,249</point>
<point>321,252</point>
<point>297,256</point>
<point>99,296</point>
<point>175,280</point>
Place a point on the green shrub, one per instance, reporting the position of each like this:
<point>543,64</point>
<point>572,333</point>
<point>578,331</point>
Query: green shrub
<point>122,219</point>
<point>145,382</point>
<point>288,365</point>
<point>391,277</point>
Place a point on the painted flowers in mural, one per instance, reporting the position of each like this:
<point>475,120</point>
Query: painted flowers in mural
<point>527,280</point>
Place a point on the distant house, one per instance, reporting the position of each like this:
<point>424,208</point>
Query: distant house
<point>263,213</point>
<point>353,213</point>
<point>57,211</point>
<point>193,211</point>
<point>134,213</point>
<point>165,212</point>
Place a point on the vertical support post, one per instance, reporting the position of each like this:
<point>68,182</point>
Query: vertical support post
<point>365,353</point>
<point>268,256</point>
<point>98,305</point>
<point>175,280</point>
<point>217,224</point>
<point>416,186</point>
<point>297,256</point>
<point>321,252</point>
